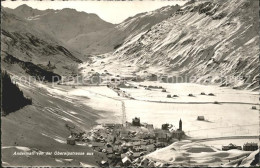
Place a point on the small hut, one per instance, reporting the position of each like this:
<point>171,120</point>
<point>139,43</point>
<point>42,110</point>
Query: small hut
<point>202,93</point>
<point>164,90</point>
<point>169,96</point>
<point>254,107</point>
<point>211,94</point>
<point>191,95</point>
<point>71,140</point>
<point>200,118</point>
<point>231,146</point>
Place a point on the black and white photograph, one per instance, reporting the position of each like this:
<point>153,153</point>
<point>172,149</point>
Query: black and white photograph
<point>130,83</point>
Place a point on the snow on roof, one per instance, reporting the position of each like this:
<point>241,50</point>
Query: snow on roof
<point>251,144</point>
<point>200,117</point>
<point>125,159</point>
<point>103,161</point>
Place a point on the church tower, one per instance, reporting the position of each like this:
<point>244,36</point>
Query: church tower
<point>180,125</point>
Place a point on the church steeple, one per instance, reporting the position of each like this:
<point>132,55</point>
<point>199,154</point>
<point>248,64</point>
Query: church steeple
<point>180,125</point>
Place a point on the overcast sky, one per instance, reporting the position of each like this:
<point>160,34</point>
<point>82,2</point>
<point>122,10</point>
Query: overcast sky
<point>110,11</point>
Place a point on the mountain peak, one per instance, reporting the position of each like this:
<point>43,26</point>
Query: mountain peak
<point>23,7</point>
<point>69,10</point>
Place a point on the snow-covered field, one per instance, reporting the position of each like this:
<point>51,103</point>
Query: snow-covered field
<point>183,89</point>
<point>232,117</point>
<point>187,153</point>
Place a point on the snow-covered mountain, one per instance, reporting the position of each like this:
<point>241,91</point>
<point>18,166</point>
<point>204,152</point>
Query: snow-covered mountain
<point>108,40</point>
<point>209,39</point>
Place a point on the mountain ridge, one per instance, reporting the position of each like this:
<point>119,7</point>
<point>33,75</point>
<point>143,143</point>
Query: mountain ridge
<point>208,39</point>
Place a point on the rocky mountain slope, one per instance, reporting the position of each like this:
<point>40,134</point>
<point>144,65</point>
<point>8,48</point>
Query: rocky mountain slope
<point>24,41</point>
<point>217,41</point>
<point>63,24</point>
<point>108,40</point>
<point>26,12</point>
<point>86,32</point>
<point>45,124</point>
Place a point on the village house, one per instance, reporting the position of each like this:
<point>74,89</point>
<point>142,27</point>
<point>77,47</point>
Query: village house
<point>150,148</point>
<point>131,142</point>
<point>126,161</point>
<point>149,126</point>
<point>118,126</point>
<point>136,121</point>
<point>97,146</point>
<point>141,135</point>
<point>177,134</point>
<point>145,162</point>
<point>117,148</point>
<point>111,138</point>
<point>150,136</point>
<point>116,132</point>
<point>136,143</point>
<point>124,133</point>
<point>159,144</point>
<point>124,149</point>
<point>136,154</point>
<point>143,148</point>
<point>129,145</point>
<point>108,125</point>
<point>110,150</point>
<point>165,126</point>
<point>118,143</point>
<point>123,155</point>
<point>151,141</point>
<point>137,149</point>
<point>161,136</point>
<point>143,142</point>
<point>250,146</point>
<point>71,140</point>
<point>110,156</point>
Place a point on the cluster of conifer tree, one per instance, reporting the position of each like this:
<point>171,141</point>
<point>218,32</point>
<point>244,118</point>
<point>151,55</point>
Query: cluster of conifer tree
<point>12,97</point>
